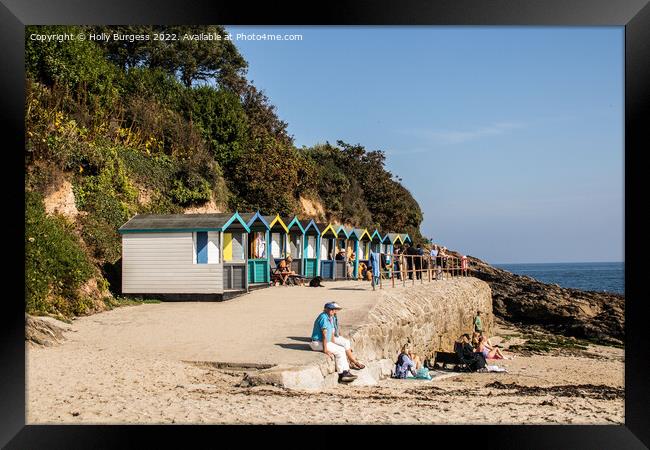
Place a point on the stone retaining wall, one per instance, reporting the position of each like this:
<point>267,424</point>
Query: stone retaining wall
<point>427,315</point>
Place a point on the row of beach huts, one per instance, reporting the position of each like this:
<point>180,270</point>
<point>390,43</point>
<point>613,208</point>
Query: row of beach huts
<point>217,256</point>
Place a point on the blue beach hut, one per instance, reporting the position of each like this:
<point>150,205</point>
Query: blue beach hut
<point>327,252</point>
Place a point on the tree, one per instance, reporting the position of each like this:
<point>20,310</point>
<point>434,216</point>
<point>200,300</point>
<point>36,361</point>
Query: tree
<point>187,56</point>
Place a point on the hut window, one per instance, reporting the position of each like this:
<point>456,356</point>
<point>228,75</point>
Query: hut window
<point>276,245</point>
<point>202,247</point>
<point>324,249</point>
<point>213,247</point>
<point>311,246</point>
<point>233,246</point>
<point>206,247</point>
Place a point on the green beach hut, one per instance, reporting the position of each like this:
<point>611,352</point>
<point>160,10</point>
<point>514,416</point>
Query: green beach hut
<point>258,248</point>
<point>311,251</point>
<point>295,240</point>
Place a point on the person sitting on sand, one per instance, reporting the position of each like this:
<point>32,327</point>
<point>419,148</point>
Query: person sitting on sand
<point>324,340</point>
<point>406,363</point>
<point>488,351</point>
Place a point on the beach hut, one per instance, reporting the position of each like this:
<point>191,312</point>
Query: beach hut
<point>327,251</point>
<point>406,239</point>
<point>296,247</point>
<point>341,246</point>
<point>311,248</point>
<point>375,241</point>
<point>279,237</point>
<point>184,256</point>
<point>361,241</point>
<point>388,245</point>
<point>257,249</point>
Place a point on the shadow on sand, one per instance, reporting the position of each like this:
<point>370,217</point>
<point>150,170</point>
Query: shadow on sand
<point>295,346</point>
<point>347,289</point>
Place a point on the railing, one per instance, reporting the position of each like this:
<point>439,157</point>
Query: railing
<point>412,268</point>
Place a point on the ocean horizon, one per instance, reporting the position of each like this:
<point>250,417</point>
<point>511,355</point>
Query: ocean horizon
<point>587,276</point>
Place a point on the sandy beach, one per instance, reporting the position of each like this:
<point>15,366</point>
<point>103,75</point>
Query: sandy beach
<point>121,367</point>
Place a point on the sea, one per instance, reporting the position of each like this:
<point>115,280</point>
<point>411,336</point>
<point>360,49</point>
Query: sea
<point>596,276</point>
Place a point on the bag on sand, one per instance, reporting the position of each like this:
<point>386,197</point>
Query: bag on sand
<point>423,374</point>
<point>316,282</point>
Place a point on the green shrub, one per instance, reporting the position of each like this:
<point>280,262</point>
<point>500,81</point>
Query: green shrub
<point>55,262</point>
<point>198,192</point>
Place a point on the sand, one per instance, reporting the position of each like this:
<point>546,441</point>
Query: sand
<point>139,365</point>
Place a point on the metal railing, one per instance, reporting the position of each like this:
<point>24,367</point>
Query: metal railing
<point>405,269</point>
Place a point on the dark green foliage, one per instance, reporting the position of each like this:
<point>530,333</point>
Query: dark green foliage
<point>269,178</point>
<point>55,262</point>
<point>221,118</point>
<point>191,59</point>
<point>357,188</point>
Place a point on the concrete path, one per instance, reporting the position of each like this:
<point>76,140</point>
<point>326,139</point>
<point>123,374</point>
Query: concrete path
<point>267,326</point>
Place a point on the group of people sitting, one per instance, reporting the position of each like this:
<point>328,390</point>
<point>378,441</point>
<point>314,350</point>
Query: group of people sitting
<point>474,351</point>
<point>284,275</point>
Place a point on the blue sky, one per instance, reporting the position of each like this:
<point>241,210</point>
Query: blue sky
<point>510,138</point>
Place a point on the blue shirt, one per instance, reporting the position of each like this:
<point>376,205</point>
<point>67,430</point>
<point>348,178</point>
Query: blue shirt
<point>322,321</point>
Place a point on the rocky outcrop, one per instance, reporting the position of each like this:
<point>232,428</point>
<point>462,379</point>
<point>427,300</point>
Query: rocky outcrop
<point>597,316</point>
<point>44,331</point>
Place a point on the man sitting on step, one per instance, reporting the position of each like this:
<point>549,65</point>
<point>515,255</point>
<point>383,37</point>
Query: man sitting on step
<point>323,339</point>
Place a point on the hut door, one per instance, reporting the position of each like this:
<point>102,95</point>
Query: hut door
<point>296,248</point>
<point>323,249</point>
<point>311,246</point>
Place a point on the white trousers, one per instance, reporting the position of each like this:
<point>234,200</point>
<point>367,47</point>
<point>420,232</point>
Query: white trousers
<point>338,347</point>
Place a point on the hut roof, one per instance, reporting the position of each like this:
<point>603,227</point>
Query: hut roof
<point>392,238</point>
<point>272,220</point>
<point>325,227</point>
<point>252,217</point>
<point>293,221</point>
<point>307,223</point>
<point>360,232</point>
<point>179,222</point>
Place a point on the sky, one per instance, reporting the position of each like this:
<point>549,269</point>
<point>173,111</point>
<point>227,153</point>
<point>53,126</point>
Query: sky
<point>510,138</point>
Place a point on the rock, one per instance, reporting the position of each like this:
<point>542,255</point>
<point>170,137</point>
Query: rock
<point>522,300</point>
<point>45,331</point>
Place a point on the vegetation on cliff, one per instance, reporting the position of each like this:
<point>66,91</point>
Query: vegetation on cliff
<point>158,127</point>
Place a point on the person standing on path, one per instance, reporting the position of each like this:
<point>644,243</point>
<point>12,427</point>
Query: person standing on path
<point>323,340</point>
<point>375,265</point>
<point>478,325</point>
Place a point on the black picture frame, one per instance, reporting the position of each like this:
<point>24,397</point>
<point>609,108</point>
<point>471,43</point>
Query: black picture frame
<point>634,15</point>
